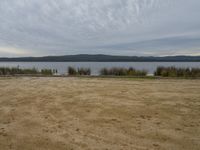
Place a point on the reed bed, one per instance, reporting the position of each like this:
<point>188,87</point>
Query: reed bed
<point>115,71</point>
<point>177,72</point>
<point>20,71</point>
<point>122,72</point>
<point>79,71</point>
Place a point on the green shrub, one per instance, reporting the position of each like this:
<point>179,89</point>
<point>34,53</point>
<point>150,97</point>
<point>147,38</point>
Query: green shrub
<point>177,72</point>
<point>29,71</point>
<point>79,71</point>
<point>134,72</point>
<point>84,71</point>
<point>47,72</point>
<point>122,72</point>
<point>104,71</point>
<point>195,72</point>
<point>72,71</point>
<point>17,70</point>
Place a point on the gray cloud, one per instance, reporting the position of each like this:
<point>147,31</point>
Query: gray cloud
<point>130,27</point>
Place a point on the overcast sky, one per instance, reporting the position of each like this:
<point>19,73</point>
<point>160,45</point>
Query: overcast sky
<point>117,27</point>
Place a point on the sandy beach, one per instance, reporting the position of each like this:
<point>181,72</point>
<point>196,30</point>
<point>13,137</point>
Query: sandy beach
<point>99,114</point>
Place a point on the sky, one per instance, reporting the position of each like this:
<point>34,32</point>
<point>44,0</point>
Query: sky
<point>114,27</point>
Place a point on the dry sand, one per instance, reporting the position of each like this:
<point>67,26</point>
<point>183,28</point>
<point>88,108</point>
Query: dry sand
<point>99,114</point>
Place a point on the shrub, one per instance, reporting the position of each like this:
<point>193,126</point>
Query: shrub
<point>47,72</point>
<point>177,72</point>
<point>84,71</point>
<point>134,72</point>
<point>195,72</point>
<point>104,71</point>
<point>123,72</point>
<point>29,71</point>
<point>79,71</point>
<point>17,70</point>
<point>72,71</point>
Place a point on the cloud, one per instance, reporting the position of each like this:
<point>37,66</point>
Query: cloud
<point>133,27</point>
<point>12,51</point>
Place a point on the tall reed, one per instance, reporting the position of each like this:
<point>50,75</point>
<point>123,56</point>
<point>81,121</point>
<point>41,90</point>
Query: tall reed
<point>177,72</point>
<point>115,71</point>
<point>18,71</point>
<point>79,71</point>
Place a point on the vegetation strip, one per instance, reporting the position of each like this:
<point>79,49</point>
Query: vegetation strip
<point>6,71</point>
<point>177,72</point>
<point>161,72</point>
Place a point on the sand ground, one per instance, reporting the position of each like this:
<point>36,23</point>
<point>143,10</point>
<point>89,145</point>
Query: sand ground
<point>99,114</point>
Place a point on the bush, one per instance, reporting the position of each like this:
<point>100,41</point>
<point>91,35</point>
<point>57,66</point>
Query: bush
<point>195,72</point>
<point>84,71</point>
<point>177,72</point>
<point>134,72</point>
<point>72,71</point>
<point>29,71</point>
<point>122,72</point>
<point>79,71</point>
<point>17,70</point>
<point>47,72</point>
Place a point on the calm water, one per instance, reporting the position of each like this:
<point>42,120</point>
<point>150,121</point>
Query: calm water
<point>96,66</point>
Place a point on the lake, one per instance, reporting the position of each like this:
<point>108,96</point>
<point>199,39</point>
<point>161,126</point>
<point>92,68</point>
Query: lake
<point>97,66</point>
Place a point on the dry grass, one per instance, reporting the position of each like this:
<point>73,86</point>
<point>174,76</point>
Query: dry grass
<point>99,114</point>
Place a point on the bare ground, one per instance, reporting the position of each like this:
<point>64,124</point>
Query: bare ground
<point>99,114</point>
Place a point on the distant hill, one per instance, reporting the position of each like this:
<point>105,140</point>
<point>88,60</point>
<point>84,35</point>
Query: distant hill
<point>102,58</point>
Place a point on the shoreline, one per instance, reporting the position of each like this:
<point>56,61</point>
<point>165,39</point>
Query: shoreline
<point>101,77</point>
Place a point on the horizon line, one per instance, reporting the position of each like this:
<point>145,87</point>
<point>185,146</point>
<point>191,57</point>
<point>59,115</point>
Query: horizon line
<point>103,55</point>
